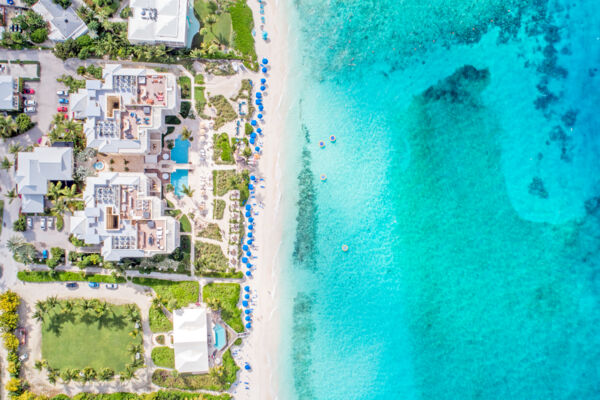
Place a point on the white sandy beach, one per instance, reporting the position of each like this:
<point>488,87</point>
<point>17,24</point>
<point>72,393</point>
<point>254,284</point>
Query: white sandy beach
<point>260,348</point>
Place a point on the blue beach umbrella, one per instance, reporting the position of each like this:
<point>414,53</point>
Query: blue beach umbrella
<point>248,207</point>
<point>248,265</point>
<point>257,102</point>
<point>253,135</point>
<point>263,80</point>
<point>257,149</point>
<point>251,140</point>
<point>264,70</point>
<point>246,296</point>
<point>250,186</point>
<point>253,122</point>
<point>247,366</point>
<point>251,219</point>
<point>248,214</point>
<point>263,88</point>
<point>250,241</point>
<point>250,227</point>
<point>244,260</point>
<point>252,177</point>
<point>245,247</point>
<point>248,311</point>
<point>248,326</point>
<point>248,318</point>
<point>265,61</point>
<point>260,107</point>
<point>258,95</point>
<point>259,130</point>
<point>259,116</point>
<point>245,303</point>
<point>249,253</point>
<point>249,234</point>
<point>248,273</point>
<point>247,288</point>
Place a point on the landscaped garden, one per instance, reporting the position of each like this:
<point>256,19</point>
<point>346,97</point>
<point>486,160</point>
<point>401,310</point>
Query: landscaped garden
<point>220,378</point>
<point>210,261</point>
<point>226,180</point>
<point>90,334</point>
<point>224,297</point>
<point>172,294</point>
<point>163,357</point>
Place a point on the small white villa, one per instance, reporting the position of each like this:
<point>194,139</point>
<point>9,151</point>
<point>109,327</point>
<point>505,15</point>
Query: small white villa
<point>158,22</point>
<point>64,23</point>
<point>35,169</point>
<point>190,340</point>
<point>9,97</point>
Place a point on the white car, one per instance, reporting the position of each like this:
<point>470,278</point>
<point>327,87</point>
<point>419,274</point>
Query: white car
<point>29,102</point>
<point>62,93</point>
<point>24,357</point>
<point>30,109</point>
<point>43,223</point>
<point>29,223</point>
<point>50,223</point>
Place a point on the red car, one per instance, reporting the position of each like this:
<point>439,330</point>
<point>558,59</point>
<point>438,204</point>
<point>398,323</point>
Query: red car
<point>61,109</point>
<point>28,91</point>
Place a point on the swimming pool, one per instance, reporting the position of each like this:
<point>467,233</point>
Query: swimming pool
<point>220,336</point>
<point>179,153</point>
<point>178,179</point>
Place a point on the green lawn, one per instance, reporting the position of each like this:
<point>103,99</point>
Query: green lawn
<point>242,24</point>
<point>221,30</point>
<point>159,321</point>
<point>184,292</point>
<point>185,224</point>
<point>228,295</point>
<point>163,357</point>
<point>78,340</point>
<point>200,99</point>
<point>186,86</point>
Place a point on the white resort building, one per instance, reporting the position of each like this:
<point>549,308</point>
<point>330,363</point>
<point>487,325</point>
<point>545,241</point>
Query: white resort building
<point>190,340</point>
<point>38,167</point>
<point>122,110</point>
<point>9,93</point>
<point>158,22</point>
<point>124,216</point>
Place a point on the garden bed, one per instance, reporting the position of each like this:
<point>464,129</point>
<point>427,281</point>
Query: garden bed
<point>225,297</point>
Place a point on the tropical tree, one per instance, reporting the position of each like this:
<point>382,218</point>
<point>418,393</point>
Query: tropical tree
<point>41,306</point>
<point>106,374</point>
<point>39,365</point>
<point>8,126</point>
<point>54,190</point>
<point>69,194</point>
<point>187,190</point>
<point>11,195</point>
<point>52,302</point>
<point>86,305</point>
<point>101,308</point>
<point>14,243</point>
<point>38,316</point>
<point>15,148</point>
<point>67,306</point>
<point>134,348</point>
<point>186,134</point>
<point>6,164</point>
<point>218,373</point>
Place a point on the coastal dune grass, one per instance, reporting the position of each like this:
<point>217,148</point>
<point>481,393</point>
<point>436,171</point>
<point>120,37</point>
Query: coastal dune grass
<point>226,296</point>
<point>184,292</point>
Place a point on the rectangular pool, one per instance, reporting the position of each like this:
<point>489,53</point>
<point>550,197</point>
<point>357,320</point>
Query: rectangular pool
<point>178,179</point>
<point>180,152</point>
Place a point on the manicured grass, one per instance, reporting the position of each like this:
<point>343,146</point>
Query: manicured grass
<point>184,292</point>
<point>47,276</point>
<point>185,84</point>
<point>199,79</point>
<point>200,99</point>
<point>184,224</point>
<point>78,340</point>
<point>228,295</point>
<point>243,23</point>
<point>163,357</point>
<point>167,379</point>
<point>219,209</point>
<point>159,321</point>
<point>212,231</point>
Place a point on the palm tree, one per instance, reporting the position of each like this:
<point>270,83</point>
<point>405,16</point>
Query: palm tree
<point>11,195</point>
<point>101,309</point>
<point>86,305</point>
<point>186,134</point>
<point>67,306</point>
<point>54,190</point>
<point>52,302</point>
<point>187,190</point>
<point>38,316</point>
<point>14,148</point>
<point>57,120</point>
<point>69,194</point>
<point>41,306</point>
<point>134,348</point>
<point>59,207</point>
<point>14,243</point>
<point>8,126</point>
<point>6,164</point>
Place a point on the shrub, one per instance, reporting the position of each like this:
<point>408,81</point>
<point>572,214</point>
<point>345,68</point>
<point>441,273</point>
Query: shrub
<point>57,257</point>
<point>172,120</point>
<point>39,35</point>
<point>63,276</point>
<point>11,343</point>
<point>186,87</point>
<point>163,357</point>
<point>20,224</point>
<point>199,79</point>
<point>24,123</point>
<point>212,231</point>
<point>186,106</point>
<point>225,111</point>
<point>248,129</point>
<point>160,339</point>
<point>60,223</point>
<point>219,209</point>
<point>158,321</point>
<point>126,13</point>
<point>76,242</point>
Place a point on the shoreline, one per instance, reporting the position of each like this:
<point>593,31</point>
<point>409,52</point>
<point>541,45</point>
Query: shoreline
<point>260,348</point>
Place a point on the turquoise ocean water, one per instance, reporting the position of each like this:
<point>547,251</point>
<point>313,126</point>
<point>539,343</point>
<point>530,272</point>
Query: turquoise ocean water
<point>465,182</point>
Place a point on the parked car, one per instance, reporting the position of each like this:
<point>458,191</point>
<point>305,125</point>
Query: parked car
<point>30,109</point>
<point>62,109</point>
<point>62,93</point>
<point>45,254</point>
<point>24,357</point>
<point>63,101</point>
<point>28,91</point>
<point>112,286</point>
<point>29,102</point>
<point>94,285</point>
<point>43,223</point>
<point>72,285</point>
<point>22,335</point>
<point>29,223</point>
<point>51,222</point>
